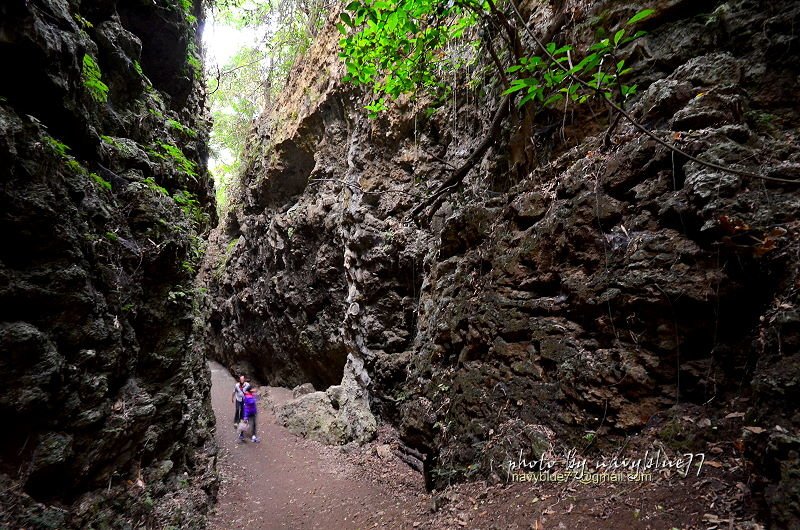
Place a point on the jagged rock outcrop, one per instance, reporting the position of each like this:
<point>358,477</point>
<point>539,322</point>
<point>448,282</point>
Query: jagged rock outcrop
<point>103,194</point>
<point>577,281</point>
<point>337,416</point>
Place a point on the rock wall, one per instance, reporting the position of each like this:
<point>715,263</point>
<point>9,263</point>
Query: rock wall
<point>579,281</point>
<point>103,194</point>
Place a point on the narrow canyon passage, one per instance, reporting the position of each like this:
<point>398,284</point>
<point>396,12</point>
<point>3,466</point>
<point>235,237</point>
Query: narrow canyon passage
<point>546,254</point>
<point>288,482</point>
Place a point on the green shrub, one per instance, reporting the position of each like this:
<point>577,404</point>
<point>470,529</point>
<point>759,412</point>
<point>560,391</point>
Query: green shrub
<point>61,150</point>
<point>183,163</point>
<point>540,79</point>
<point>85,24</point>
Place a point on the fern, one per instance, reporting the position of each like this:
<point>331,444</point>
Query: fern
<point>91,76</point>
<point>178,126</point>
<point>170,152</point>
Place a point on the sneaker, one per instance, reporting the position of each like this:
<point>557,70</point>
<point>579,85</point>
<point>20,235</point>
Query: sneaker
<point>256,439</point>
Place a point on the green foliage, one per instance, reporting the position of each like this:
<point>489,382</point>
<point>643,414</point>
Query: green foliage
<point>185,199</point>
<point>113,142</point>
<point>85,24</point>
<point>238,100</point>
<point>543,81</point>
<point>183,163</point>
<point>241,89</point>
<point>229,248</point>
<point>58,148</point>
<point>61,150</point>
<point>187,6</point>
<point>148,500</point>
<point>220,269</point>
<point>153,185</point>
<point>194,63</point>
<point>103,183</point>
<point>197,248</point>
<point>172,153</point>
<point>76,166</point>
<point>178,126</point>
<point>399,47</point>
<point>191,207</point>
<point>123,146</point>
<point>92,79</point>
<point>641,15</point>
<point>178,297</point>
<point>234,106</point>
<point>138,67</point>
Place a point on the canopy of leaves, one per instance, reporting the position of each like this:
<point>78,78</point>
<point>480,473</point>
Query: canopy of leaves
<point>550,78</point>
<point>401,47</point>
<point>398,46</point>
<point>240,89</point>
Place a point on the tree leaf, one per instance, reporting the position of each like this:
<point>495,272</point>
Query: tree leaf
<point>555,98</point>
<point>641,15</point>
<point>515,87</point>
<point>527,98</point>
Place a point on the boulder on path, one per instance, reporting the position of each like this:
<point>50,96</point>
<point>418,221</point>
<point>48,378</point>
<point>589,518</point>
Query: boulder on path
<point>312,416</point>
<point>301,390</point>
<point>337,416</point>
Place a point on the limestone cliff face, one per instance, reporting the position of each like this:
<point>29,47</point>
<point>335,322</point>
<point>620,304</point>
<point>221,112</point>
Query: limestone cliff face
<point>576,282</point>
<point>104,404</point>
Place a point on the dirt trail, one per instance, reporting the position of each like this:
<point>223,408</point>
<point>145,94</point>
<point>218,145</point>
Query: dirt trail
<point>288,482</point>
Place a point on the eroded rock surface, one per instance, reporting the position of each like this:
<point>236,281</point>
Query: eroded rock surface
<point>337,416</point>
<point>103,195</point>
<point>573,284</point>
